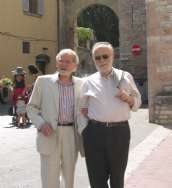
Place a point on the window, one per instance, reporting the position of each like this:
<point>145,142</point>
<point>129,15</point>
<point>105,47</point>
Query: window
<point>35,7</point>
<point>26,47</point>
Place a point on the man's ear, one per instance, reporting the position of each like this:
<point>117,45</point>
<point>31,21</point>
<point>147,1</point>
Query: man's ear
<point>75,68</point>
<point>57,65</point>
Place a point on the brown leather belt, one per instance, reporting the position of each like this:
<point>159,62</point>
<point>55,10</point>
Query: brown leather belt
<point>109,124</point>
<point>65,124</point>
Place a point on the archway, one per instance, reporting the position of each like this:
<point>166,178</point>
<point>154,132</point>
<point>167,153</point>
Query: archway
<point>103,21</point>
<point>105,25</point>
<point>132,29</point>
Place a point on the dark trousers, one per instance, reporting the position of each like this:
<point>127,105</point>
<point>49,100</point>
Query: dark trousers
<point>106,153</point>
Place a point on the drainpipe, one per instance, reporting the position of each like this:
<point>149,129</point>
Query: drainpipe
<point>58,25</point>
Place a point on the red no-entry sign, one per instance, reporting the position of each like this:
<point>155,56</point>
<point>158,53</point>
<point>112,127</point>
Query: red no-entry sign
<point>136,49</point>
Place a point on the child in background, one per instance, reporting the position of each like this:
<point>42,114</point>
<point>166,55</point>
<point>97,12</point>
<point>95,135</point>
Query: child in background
<point>19,89</point>
<point>21,111</point>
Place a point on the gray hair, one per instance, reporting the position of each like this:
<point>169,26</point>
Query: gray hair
<point>70,52</point>
<point>102,44</point>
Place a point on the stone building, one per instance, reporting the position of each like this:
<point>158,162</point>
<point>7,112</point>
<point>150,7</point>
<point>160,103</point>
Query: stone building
<point>43,27</point>
<point>33,29</point>
<point>132,33</point>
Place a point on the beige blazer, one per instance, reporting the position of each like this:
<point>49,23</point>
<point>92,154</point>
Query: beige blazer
<point>43,107</point>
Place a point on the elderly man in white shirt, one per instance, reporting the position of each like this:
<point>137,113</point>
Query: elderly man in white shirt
<point>107,98</point>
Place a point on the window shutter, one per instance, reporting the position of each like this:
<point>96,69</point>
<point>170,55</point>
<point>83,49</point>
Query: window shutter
<point>41,7</point>
<point>25,4</point>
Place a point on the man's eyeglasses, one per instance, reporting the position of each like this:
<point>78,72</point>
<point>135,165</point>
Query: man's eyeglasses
<point>99,57</point>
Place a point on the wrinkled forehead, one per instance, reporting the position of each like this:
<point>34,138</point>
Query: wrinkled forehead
<point>67,55</point>
<point>103,49</point>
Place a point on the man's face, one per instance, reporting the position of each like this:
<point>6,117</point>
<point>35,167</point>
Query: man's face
<point>103,59</point>
<point>66,65</point>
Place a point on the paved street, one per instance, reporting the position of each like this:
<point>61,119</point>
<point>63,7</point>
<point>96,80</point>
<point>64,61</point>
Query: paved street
<point>19,161</point>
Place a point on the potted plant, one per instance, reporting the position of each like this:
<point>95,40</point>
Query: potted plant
<point>6,84</point>
<point>84,35</point>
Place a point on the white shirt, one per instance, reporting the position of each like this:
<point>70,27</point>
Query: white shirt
<point>99,96</point>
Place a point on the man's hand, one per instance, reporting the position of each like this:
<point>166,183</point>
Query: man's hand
<point>46,129</point>
<point>84,111</point>
<point>122,94</point>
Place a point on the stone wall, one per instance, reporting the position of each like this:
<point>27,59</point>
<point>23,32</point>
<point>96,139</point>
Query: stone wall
<point>163,110</point>
<point>132,26</point>
<point>132,16</point>
<point>132,29</point>
<point>159,29</point>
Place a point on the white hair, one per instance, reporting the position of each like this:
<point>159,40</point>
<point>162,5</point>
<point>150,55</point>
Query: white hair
<point>102,44</point>
<point>70,52</point>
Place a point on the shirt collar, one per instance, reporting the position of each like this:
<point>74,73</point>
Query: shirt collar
<point>109,76</point>
<point>65,84</point>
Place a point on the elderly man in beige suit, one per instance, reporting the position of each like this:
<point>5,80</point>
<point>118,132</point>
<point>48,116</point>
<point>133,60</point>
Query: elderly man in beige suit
<point>52,109</point>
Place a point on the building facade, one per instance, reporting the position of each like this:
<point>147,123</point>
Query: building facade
<point>33,29</point>
<point>28,28</point>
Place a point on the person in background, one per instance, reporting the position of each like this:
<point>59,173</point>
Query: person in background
<point>19,86</point>
<point>33,71</point>
<point>107,98</point>
<point>52,108</point>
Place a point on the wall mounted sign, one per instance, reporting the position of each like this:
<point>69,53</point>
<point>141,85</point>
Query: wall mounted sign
<point>136,49</point>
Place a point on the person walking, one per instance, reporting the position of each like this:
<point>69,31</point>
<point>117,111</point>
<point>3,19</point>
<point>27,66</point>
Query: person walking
<point>107,98</point>
<point>52,108</point>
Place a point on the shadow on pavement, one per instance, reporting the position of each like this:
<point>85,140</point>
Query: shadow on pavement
<point>28,125</point>
<point>4,109</point>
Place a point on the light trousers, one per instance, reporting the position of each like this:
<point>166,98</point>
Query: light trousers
<point>61,162</point>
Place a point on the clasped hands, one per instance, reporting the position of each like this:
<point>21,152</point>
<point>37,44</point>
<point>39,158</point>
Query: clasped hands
<point>46,129</point>
<point>124,96</point>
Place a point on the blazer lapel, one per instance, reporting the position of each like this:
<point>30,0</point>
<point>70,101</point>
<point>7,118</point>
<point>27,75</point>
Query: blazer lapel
<point>55,90</point>
<point>76,89</point>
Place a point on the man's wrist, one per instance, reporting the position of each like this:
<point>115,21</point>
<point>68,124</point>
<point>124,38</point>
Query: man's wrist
<point>131,101</point>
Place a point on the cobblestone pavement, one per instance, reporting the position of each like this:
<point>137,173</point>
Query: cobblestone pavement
<point>19,161</point>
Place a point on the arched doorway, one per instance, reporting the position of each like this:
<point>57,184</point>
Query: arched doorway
<point>105,26</point>
<point>103,21</point>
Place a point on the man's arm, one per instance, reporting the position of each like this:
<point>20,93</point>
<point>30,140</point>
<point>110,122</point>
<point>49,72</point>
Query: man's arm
<point>135,94</point>
<point>133,97</point>
<point>82,118</point>
<point>34,105</point>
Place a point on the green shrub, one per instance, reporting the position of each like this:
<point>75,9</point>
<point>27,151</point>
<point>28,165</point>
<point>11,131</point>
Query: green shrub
<point>84,34</point>
<point>6,82</point>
